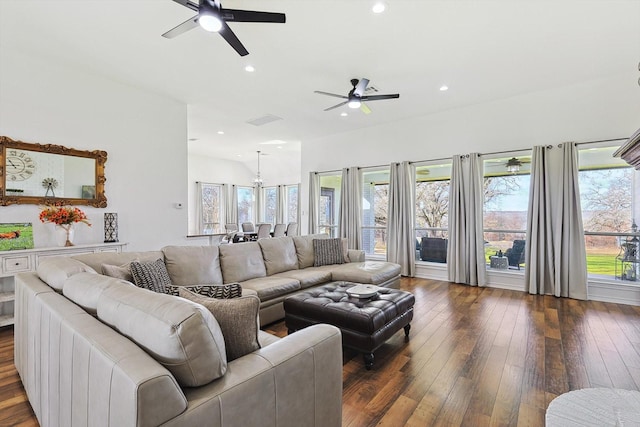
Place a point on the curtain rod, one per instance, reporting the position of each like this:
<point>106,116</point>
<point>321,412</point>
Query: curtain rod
<point>484,154</point>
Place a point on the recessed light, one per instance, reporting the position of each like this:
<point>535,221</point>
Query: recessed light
<point>249,69</point>
<point>280,147</point>
<point>344,114</point>
<point>193,139</point>
<point>443,88</point>
<point>238,155</point>
<point>379,7</point>
<point>220,132</point>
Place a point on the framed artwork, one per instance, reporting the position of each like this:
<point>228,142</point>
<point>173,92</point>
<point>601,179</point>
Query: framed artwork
<point>88,192</point>
<point>16,235</point>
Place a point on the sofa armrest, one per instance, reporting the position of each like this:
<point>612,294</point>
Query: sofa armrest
<point>294,381</point>
<point>356,255</point>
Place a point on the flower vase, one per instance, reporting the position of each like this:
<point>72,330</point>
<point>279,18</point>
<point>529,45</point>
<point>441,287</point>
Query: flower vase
<point>65,234</point>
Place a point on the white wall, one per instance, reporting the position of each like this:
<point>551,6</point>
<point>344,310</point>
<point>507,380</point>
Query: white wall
<point>601,109</point>
<point>144,135</point>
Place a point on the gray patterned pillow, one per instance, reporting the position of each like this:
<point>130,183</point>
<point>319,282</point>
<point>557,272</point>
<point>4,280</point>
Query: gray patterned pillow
<point>231,290</point>
<point>238,320</point>
<point>152,275</point>
<point>327,252</point>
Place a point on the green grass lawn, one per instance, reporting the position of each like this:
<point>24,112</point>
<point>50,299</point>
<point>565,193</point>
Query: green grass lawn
<point>601,263</point>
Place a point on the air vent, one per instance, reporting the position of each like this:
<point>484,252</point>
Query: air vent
<point>263,120</point>
<point>371,89</point>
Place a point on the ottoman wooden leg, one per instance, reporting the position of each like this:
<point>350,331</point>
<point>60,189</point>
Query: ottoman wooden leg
<point>368,361</point>
<point>407,329</point>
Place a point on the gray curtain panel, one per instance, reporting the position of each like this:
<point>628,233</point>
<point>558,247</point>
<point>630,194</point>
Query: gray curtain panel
<point>539,275</point>
<point>555,250</point>
<point>231,206</point>
<point>350,212</point>
<point>281,204</point>
<point>314,199</point>
<point>401,247</point>
<point>465,254</point>
<point>570,254</point>
<point>199,213</point>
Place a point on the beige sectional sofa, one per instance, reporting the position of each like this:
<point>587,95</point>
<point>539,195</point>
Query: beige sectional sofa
<point>94,350</point>
<point>271,268</point>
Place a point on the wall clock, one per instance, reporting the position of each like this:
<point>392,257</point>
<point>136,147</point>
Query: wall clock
<point>20,165</point>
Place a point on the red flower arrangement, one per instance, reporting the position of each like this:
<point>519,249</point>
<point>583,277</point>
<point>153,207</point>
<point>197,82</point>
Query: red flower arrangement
<point>63,215</point>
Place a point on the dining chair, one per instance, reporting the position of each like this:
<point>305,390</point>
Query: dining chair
<point>248,227</point>
<point>279,230</point>
<point>231,227</point>
<point>264,231</point>
<point>292,229</point>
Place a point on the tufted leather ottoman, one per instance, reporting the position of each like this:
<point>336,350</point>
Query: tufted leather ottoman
<point>365,323</point>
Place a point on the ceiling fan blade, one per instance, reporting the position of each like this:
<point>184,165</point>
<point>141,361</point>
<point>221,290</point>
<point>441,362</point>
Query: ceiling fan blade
<point>379,97</point>
<point>336,106</point>
<point>233,40</point>
<point>330,94</point>
<point>187,25</point>
<point>364,108</point>
<point>187,3</point>
<point>234,15</point>
<point>361,87</point>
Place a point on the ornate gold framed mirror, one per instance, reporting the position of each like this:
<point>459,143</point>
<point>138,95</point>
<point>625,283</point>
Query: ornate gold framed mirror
<point>46,173</point>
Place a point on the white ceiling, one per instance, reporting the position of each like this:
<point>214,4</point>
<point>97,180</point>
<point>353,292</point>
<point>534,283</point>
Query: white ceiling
<point>483,50</point>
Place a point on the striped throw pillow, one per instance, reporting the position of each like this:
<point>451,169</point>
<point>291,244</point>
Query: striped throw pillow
<point>228,291</point>
<point>151,275</point>
<point>327,252</point>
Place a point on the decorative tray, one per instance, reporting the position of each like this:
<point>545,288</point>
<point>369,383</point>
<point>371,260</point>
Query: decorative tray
<point>362,291</point>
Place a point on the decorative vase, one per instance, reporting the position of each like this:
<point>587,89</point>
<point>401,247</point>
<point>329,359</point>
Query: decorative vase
<point>65,234</point>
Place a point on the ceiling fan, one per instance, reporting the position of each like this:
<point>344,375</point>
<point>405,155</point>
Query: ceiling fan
<point>213,18</point>
<point>356,97</point>
<point>513,164</point>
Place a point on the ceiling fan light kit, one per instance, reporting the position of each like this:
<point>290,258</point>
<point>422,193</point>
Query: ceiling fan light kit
<point>213,17</point>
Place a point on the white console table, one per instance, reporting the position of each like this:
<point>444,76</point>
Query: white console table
<point>13,262</point>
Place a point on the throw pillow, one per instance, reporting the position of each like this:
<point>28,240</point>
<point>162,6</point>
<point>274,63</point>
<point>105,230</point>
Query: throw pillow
<point>151,275</point>
<point>327,252</point>
<point>118,271</point>
<point>231,290</point>
<point>238,320</point>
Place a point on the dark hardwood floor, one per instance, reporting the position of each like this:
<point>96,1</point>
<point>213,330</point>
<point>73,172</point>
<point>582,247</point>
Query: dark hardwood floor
<point>476,357</point>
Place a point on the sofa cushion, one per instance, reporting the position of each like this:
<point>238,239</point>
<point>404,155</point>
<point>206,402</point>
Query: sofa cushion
<point>95,260</point>
<point>271,287</point>
<point>85,289</point>
<point>370,272</point>
<point>327,252</point>
<point>304,248</point>
<point>193,265</point>
<point>232,290</point>
<point>152,275</point>
<point>240,262</point>
<point>238,320</point>
<point>182,336</point>
<point>55,271</point>
<point>118,271</point>
<point>279,254</point>
<point>310,276</point>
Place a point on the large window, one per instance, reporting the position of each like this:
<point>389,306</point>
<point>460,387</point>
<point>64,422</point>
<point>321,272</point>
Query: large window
<point>607,189</point>
<point>269,204</point>
<point>211,207</point>
<point>245,204</point>
<point>375,201</point>
<point>506,201</point>
<point>431,213</point>
<point>291,203</point>
<point>329,204</point>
